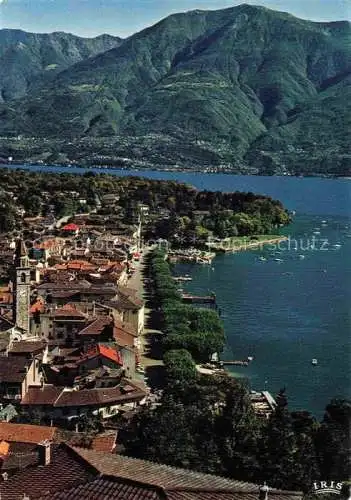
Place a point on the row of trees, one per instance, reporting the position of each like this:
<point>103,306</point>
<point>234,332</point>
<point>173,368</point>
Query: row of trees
<point>196,330</point>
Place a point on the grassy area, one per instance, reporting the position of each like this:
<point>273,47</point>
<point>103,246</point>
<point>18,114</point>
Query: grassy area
<point>243,242</point>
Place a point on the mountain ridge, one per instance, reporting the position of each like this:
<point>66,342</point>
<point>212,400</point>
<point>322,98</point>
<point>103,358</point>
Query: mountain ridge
<point>26,57</point>
<point>233,78</point>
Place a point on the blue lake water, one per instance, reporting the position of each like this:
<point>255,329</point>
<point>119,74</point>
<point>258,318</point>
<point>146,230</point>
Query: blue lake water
<point>293,306</point>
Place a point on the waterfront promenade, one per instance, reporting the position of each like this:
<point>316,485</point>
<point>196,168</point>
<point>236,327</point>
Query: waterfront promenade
<point>149,334</point>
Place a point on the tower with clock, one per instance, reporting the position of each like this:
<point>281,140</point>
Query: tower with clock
<point>21,287</point>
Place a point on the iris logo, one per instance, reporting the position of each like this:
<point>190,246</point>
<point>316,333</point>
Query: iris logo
<point>324,487</point>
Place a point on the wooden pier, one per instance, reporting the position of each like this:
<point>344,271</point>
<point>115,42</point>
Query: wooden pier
<point>197,299</point>
<point>235,363</point>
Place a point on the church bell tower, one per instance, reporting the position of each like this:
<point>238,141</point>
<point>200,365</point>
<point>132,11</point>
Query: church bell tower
<point>21,287</point>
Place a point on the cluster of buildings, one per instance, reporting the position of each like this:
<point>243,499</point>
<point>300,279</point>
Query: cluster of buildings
<point>70,329</point>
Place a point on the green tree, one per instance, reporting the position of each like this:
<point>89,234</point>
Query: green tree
<point>238,433</point>
<point>278,447</point>
<point>306,463</point>
<point>334,441</point>
<point>179,365</point>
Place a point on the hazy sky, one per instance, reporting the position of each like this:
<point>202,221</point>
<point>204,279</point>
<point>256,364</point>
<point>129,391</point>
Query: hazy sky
<point>124,17</point>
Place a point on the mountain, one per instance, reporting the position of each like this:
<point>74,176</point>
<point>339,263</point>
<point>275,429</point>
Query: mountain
<point>244,87</point>
<point>29,58</point>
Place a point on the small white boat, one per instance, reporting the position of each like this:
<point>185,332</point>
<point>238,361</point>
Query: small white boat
<point>301,256</point>
<point>316,233</point>
<point>324,221</point>
<point>337,245</point>
<point>262,258</point>
<point>250,358</point>
<point>278,260</point>
<point>314,361</point>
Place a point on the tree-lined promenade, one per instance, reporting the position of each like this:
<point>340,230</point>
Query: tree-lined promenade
<point>207,423</point>
<point>199,331</point>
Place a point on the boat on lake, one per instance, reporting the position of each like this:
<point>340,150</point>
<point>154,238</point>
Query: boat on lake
<point>314,361</point>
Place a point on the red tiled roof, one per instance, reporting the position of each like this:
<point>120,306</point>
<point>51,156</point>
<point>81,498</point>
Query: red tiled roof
<point>55,242</point>
<point>64,472</point>
<point>68,310</point>
<point>26,433</point>
<point>80,265</point>
<point>97,326</point>
<point>38,306</point>
<point>6,298</point>
<point>70,227</point>
<point>102,350</point>
<point>60,267</point>
<point>110,353</point>
<point>104,442</point>
<point>4,448</point>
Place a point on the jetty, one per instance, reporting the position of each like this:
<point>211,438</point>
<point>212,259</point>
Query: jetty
<point>236,362</point>
<point>182,278</point>
<point>188,298</point>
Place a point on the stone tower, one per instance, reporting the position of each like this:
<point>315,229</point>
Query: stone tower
<point>21,287</point>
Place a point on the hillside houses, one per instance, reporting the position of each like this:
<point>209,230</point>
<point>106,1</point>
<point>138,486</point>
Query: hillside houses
<point>79,353</point>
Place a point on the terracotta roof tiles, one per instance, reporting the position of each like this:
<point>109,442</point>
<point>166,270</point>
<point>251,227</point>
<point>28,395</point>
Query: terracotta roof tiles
<point>97,326</point>
<point>100,349</point>
<point>98,397</point>
<point>104,442</point>
<point>126,327</point>
<point>68,310</point>
<point>27,346</point>
<point>46,395</point>
<point>107,488</point>
<point>64,472</point>
<point>26,433</point>
<point>160,475</point>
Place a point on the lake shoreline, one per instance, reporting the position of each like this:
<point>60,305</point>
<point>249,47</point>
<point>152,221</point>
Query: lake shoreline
<point>249,245</point>
<point>103,169</point>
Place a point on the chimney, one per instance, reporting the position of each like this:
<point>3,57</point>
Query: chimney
<point>44,452</point>
<point>264,492</point>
